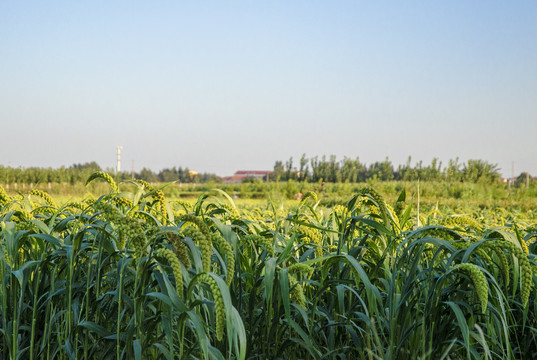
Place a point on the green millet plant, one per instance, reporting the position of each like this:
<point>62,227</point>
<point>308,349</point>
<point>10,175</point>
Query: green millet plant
<point>479,280</point>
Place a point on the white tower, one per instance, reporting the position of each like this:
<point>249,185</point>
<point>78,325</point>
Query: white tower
<point>119,158</point>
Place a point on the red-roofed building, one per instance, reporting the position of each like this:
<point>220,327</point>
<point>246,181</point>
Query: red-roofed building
<point>242,175</point>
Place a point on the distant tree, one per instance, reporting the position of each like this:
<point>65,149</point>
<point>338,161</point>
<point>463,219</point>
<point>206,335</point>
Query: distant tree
<point>349,171</point>
<point>303,171</point>
<point>147,175</point>
<point>480,171</point>
<point>288,169</point>
<point>334,174</point>
<point>314,162</point>
<point>181,175</point>
<point>453,171</point>
<point>432,172</point>
<point>277,171</point>
<point>168,175</point>
<point>382,170</point>
<point>522,178</point>
<point>89,166</point>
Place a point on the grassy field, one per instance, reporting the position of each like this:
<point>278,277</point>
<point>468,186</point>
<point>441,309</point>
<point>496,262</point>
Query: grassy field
<point>445,194</point>
<point>353,271</point>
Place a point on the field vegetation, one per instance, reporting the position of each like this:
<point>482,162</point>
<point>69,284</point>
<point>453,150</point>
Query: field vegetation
<point>359,271</point>
<point>310,170</point>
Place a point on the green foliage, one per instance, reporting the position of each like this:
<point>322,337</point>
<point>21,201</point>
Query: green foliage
<point>348,170</point>
<point>78,173</point>
<point>145,277</point>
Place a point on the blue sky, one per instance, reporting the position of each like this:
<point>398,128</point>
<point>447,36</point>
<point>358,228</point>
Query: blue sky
<point>222,86</point>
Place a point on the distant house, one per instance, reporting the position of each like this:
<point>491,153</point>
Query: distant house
<point>513,179</point>
<point>242,175</point>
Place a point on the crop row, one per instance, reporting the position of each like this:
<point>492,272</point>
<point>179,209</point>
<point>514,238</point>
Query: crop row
<point>133,275</point>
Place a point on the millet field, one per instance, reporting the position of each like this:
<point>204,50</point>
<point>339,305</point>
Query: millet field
<point>132,274</point>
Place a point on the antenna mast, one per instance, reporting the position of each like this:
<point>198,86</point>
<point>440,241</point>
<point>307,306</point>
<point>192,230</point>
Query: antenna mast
<point>119,158</point>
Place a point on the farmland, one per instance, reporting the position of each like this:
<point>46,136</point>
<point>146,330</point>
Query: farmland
<point>359,271</point>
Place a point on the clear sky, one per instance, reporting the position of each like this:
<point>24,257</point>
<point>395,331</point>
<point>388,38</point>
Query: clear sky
<point>220,86</point>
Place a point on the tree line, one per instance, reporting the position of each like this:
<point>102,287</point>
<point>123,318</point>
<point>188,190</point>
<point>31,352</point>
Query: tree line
<point>330,169</point>
<point>77,173</point>
<point>315,169</point>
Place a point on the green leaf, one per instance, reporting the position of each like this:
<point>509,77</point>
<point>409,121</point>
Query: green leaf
<point>137,349</point>
<point>283,276</point>
<point>41,226</point>
<point>463,325</point>
<point>268,280</point>
<point>164,351</point>
<point>199,328</point>
<point>98,329</point>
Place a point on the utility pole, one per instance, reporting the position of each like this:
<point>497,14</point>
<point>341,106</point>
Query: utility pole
<point>513,170</point>
<point>512,180</point>
<point>119,159</point>
<point>527,180</point>
<point>418,212</point>
<point>132,170</point>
